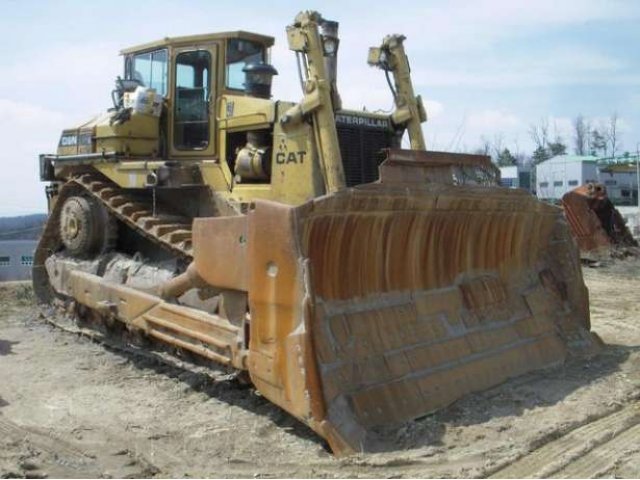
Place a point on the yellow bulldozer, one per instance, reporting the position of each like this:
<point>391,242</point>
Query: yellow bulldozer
<point>359,285</point>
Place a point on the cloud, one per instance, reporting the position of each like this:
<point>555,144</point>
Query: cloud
<point>19,115</point>
<point>450,131</point>
<point>64,77</point>
<point>494,120</point>
<point>51,88</point>
<point>27,130</point>
<point>566,65</point>
<point>433,107</point>
<point>479,25</point>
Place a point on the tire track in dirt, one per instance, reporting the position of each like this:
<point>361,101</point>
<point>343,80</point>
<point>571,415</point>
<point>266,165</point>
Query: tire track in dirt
<point>603,458</point>
<point>63,458</point>
<point>619,324</point>
<point>579,453</point>
<point>63,451</point>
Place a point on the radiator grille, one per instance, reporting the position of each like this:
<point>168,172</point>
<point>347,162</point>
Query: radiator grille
<point>361,148</point>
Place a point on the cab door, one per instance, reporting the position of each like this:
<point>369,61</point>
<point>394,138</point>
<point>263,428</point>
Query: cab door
<point>191,123</point>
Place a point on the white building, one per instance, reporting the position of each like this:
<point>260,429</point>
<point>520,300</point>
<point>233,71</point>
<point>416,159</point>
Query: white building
<point>621,181</point>
<point>16,259</point>
<point>558,175</point>
<point>509,177</point>
<point>515,176</point>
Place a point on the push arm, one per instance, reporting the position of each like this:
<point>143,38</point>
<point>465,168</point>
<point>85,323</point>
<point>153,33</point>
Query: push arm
<point>305,39</point>
<point>391,57</point>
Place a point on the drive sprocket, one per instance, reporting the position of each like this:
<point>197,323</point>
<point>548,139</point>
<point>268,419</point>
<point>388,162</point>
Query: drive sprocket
<point>86,228</point>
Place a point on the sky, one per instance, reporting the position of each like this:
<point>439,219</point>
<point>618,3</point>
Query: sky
<point>486,69</point>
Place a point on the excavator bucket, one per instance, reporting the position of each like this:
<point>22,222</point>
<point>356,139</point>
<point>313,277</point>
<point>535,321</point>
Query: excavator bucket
<point>595,223</point>
<point>381,303</point>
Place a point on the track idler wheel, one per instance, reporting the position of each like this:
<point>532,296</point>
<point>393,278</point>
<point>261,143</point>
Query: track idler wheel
<point>86,228</point>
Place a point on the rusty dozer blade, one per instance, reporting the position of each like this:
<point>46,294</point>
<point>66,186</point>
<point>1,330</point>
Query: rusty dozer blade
<point>595,223</point>
<point>381,303</point>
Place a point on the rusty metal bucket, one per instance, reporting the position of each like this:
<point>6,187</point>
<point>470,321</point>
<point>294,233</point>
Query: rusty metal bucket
<point>379,304</point>
<point>595,223</point>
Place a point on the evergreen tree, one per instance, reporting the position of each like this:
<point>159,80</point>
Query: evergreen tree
<point>540,154</point>
<point>597,143</point>
<point>506,159</point>
<point>557,148</point>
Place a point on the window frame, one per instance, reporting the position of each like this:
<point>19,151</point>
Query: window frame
<point>225,65</point>
<point>129,67</point>
<point>210,88</point>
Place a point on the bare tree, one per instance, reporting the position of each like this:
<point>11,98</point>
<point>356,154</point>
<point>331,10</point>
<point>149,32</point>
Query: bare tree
<point>484,148</point>
<point>612,134</point>
<point>497,146</point>
<point>540,133</point>
<point>520,156</point>
<point>557,146</point>
<point>581,133</point>
<point>454,146</point>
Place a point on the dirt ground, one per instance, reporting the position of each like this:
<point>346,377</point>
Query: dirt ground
<point>70,407</point>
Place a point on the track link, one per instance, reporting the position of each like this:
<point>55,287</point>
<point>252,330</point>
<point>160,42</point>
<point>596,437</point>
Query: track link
<point>172,232</point>
<point>113,336</point>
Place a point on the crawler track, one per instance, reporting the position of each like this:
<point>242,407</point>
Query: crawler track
<point>169,231</point>
<point>173,232</point>
<point>114,339</point>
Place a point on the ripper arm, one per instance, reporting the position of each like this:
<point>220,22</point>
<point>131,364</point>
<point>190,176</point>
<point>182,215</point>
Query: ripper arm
<point>391,57</point>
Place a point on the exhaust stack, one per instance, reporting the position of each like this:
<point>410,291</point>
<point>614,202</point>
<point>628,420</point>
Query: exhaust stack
<point>330,44</point>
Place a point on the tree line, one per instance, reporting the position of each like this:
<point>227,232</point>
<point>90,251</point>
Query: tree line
<point>588,138</point>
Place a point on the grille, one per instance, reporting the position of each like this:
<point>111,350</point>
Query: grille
<point>362,152</point>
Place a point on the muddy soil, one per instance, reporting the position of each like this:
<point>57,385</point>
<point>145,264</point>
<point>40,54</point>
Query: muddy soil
<point>70,407</point>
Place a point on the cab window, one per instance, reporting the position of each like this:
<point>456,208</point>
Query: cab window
<point>239,54</point>
<point>150,70</point>
<point>191,116</point>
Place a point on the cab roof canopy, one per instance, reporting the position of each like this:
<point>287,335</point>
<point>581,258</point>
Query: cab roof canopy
<point>198,39</point>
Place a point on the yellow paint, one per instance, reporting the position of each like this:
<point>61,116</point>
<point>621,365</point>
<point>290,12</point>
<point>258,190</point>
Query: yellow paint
<point>128,174</point>
<point>216,175</point>
<point>137,136</point>
<point>238,113</point>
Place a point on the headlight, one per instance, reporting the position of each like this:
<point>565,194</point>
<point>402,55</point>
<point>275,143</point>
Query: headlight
<point>330,40</point>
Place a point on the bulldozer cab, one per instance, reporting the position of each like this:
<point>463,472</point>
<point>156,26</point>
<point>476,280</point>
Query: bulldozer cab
<point>192,73</point>
<point>206,107</point>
